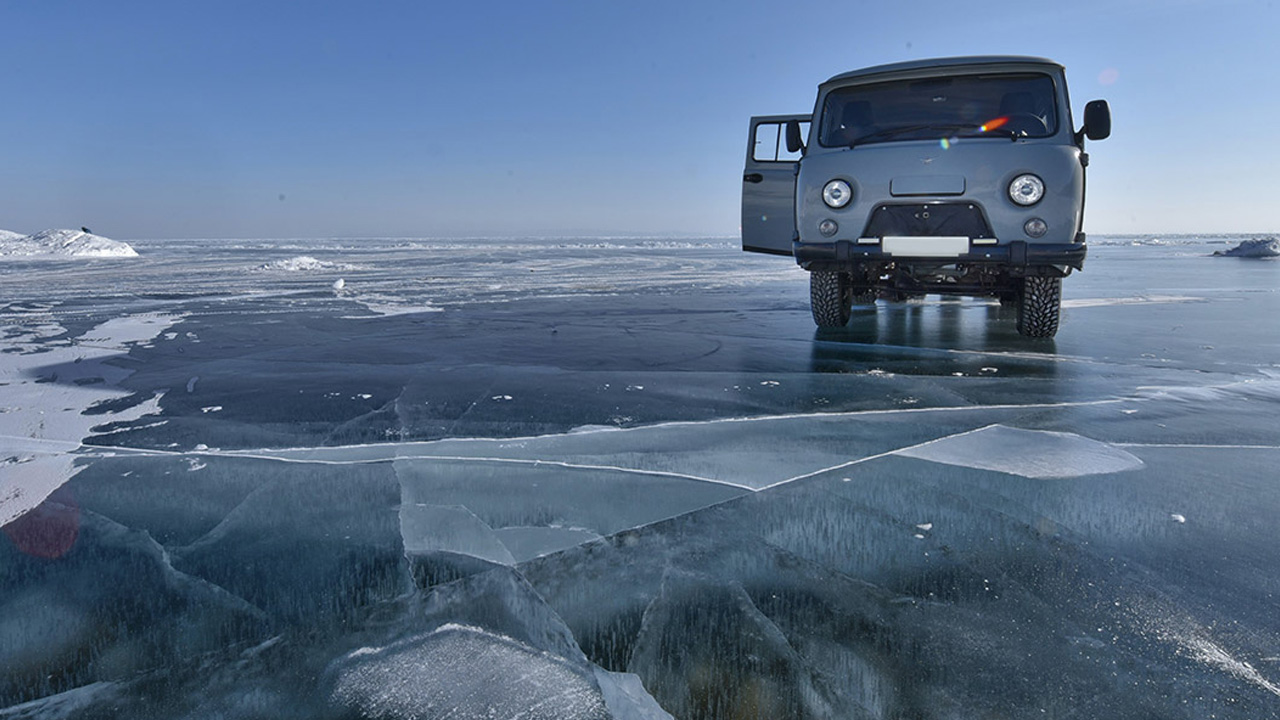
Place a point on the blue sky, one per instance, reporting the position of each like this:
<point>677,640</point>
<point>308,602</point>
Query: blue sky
<point>317,119</point>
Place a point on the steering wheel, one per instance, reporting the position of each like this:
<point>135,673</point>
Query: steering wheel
<point>1026,123</point>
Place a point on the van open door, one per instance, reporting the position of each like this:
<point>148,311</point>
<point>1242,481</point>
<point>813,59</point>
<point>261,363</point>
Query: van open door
<point>769,185</point>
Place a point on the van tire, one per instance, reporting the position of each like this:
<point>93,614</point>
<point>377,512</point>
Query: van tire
<point>830,298</point>
<point>1039,307</point>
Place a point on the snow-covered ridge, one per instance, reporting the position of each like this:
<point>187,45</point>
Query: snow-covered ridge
<point>304,263</point>
<point>62,243</point>
<point>1258,247</point>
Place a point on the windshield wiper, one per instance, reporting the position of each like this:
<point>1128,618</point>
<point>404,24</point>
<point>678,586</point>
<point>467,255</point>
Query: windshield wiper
<point>887,133</point>
<point>998,132</point>
<point>893,132</point>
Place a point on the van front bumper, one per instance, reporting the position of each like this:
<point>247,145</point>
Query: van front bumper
<point>1015,255</point>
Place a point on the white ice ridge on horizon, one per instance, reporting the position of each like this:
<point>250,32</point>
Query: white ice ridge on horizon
<point>1267,247</point>
<point>63,243</point>
<point>304,263</point>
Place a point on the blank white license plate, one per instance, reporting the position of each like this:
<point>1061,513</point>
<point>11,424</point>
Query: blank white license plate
<point>925,246</point>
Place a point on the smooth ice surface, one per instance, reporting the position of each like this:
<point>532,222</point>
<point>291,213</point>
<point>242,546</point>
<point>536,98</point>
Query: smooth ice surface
<point>627,477</point>
<point>626,697</point>
<point>430,528</point>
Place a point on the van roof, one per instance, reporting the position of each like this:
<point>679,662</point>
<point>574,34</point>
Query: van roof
<point>944,63</point>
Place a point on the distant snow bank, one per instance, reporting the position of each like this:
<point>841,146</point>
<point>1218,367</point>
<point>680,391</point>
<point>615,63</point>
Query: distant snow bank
<point>62,243</point>
<point>304,263</point>
<point>1258,247</point>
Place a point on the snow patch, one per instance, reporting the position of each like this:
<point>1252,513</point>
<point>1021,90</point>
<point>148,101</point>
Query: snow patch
<point>460,671</point>
<point>43,422</point>
<point>1212,654</point>
<point>387,306</point>
<point>62,243</point>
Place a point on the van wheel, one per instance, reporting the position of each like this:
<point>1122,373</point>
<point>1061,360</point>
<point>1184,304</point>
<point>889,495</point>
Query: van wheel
<point>1040,306</point>
<point>830,298</point>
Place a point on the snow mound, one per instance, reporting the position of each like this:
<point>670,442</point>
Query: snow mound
<point>303,263</point>
<point>65,243</point>
<point>1258,247</point>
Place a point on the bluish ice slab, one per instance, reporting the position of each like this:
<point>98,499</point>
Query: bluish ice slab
<point>628,478</point>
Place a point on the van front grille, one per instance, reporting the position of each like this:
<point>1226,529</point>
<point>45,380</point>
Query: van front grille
<point>941,219</point>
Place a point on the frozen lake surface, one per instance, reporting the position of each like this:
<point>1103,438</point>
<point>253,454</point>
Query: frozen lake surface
<point>620,477</point>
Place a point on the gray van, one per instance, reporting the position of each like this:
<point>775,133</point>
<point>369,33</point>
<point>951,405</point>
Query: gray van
<point>954,176</point>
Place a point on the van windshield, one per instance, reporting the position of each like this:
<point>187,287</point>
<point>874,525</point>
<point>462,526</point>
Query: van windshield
<point>1004,105</point>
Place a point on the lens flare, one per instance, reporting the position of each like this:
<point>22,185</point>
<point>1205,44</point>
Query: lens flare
<point>945,143</point>
<point>50,530</point>
<point>993,124</point>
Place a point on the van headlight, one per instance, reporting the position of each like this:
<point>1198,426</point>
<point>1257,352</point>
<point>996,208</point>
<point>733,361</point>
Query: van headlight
<point>1026,189</point>
<point>837,194</point>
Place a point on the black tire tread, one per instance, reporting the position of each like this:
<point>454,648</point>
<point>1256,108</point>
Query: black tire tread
<point>830,298</point>
<point>1040,307</point>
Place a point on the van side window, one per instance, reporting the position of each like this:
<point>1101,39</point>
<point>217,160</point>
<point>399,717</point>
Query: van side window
<point>770,142</point>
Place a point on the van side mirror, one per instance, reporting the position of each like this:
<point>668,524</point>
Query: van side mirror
<point>795,143</point>
<point>1097,120</point>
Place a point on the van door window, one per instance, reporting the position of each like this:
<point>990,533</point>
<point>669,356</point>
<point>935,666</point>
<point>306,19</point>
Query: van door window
<point>770,142</point>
